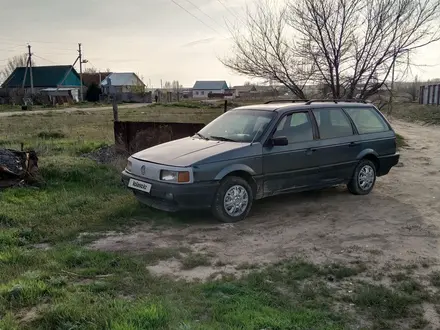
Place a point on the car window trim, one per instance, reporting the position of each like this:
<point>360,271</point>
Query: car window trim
<point>353,125</point>
<point>311,119</point>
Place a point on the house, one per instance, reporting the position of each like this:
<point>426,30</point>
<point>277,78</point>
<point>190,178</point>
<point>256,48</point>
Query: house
<point>202,89</point>
<point>47,80</point>
<point>94,78</point>
<point>119,83</point>
<point>254,91</point>
<point>44,77</point>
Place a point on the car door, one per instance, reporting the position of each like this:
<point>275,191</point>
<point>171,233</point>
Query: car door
<point>294,166</point>
<point>339,144</point>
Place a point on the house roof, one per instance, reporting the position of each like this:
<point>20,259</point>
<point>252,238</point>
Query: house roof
<point>94,78</point>
<point>43,76</point>
<point>123,79</point>
<point>210,85</point>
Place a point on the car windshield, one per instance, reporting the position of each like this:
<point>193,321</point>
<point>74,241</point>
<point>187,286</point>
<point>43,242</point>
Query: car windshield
<point>238,126</point>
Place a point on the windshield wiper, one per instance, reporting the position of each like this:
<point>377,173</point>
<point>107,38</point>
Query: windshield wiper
<point>202,136</point>
<point>221,138</point>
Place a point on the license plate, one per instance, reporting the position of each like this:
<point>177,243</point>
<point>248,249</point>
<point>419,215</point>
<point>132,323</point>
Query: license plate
<point>139,185</point>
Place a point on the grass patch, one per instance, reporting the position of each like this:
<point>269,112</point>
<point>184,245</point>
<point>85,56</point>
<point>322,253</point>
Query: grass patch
<point>435,279</point>
<point>51,135</point>
<point>246,265</point>
<point>401,143</point>
<point>413,112</point>
<point>383,302</point>
<point>194,260</point>
<point>339,271</point>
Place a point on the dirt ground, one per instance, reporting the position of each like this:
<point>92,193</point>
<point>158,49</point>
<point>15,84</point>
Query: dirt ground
<point>396,225</point>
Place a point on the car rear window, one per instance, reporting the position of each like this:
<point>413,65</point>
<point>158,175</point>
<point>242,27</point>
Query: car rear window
<point>367,120</point>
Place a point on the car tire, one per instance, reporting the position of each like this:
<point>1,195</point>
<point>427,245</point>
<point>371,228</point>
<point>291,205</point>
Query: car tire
<point>364,178</point>
<point>225,203</point>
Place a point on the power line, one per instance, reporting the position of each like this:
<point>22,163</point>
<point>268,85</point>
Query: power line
<point>230,11</point>
<point>204,13</point>
<point>44,59</point>
<point>197,18</point>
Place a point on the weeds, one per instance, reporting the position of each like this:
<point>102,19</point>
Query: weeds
<point>51,135</point>
<point>383,302</point>
<point>435,279</point>
<point>194,260</point>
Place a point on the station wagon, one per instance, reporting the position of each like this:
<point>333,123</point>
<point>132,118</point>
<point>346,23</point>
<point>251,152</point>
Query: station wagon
<point>257,151</point>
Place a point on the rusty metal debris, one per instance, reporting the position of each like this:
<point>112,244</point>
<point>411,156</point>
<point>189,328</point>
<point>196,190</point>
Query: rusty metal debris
<point>17,167</point>
<point>133,136</point>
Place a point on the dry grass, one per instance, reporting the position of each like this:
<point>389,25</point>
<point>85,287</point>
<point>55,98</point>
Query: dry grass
<point>413,112</point>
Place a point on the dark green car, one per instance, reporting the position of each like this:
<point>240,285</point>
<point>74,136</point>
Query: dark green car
<point>258,151</point>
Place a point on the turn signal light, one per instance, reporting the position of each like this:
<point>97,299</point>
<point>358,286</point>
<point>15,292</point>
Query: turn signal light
<point>183,177</point>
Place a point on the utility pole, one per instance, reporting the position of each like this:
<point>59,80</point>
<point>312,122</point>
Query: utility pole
<point>30,69</point>
<point>80,72</point>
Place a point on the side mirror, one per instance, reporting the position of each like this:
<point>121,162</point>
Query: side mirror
<point>279,141</point>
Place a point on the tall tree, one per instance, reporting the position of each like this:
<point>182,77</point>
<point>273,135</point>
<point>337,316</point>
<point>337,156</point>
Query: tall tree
<point>12,63</point>
<point>350,46</point>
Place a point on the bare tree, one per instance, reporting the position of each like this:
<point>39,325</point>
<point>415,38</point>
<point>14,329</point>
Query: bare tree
<point>350,46</point>
<point>91,70</point>
<point>13,63</point>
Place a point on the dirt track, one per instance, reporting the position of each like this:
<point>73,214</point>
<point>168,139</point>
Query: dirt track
<point>398,222</point>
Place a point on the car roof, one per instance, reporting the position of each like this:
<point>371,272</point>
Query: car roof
<point>287,106</point>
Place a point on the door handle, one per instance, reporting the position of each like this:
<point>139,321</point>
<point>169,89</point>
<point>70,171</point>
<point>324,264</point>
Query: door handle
<point>310,151</point>
<point>353,144</point>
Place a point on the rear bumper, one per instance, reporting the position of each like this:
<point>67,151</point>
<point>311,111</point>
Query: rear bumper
<point>174,197</point>
<point>386,163</point>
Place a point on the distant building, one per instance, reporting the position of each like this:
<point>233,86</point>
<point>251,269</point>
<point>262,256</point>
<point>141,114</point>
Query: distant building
<point>119,83</point>
<point>94,78</point>
<point>202,89</point>
<point>61,83</point>
<point>44,77</point>
<point>254,91</point>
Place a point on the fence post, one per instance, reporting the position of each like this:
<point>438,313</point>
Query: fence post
<point>226,106</point>
<point>115,109</point>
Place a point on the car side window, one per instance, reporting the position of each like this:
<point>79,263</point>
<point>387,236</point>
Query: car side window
<point>367,120</point>
<point>332,123</point>
<point>298,129</point>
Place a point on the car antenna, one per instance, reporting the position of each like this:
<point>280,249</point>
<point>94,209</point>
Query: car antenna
<point>256,133</point>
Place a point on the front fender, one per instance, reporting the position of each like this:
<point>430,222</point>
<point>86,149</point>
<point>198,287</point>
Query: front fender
<point>233,168</point>
<point>366,152</point>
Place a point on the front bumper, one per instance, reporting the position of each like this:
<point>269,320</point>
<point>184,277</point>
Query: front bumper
<point>174,197</point>
<point>386,163</point>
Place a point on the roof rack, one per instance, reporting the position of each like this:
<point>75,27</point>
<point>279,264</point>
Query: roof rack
<point>285,100</point>
<point>337,101</point>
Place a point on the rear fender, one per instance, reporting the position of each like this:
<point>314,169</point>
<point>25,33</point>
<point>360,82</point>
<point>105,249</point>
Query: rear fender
<point>367,152</point>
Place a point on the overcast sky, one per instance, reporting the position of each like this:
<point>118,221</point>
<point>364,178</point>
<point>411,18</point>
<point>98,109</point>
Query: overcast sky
<point>155,38</point>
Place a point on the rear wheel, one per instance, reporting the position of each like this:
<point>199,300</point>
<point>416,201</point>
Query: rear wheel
<point>233,200</point>
<point>363,179</point>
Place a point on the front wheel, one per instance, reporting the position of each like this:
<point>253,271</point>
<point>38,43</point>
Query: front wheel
<point>233,200</point>
<point>363,179</point>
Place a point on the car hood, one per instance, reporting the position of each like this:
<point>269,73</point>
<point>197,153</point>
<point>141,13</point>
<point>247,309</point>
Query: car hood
<point>187,151</point>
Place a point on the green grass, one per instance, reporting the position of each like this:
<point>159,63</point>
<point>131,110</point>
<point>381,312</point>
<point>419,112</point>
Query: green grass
<point>69,286</point>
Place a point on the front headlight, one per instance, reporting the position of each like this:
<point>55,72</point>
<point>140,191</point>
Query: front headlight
<point>175,176</point>
<point>128,167</point>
